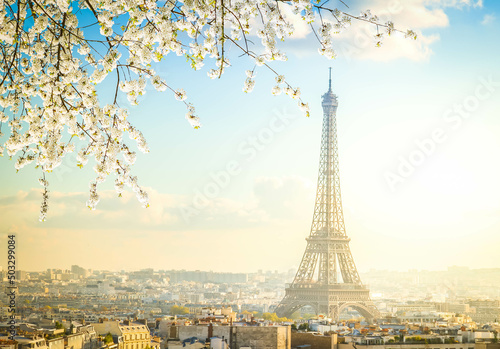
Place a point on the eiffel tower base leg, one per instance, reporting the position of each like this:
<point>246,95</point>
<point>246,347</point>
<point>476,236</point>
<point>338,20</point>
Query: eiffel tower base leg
<point>358,300</point>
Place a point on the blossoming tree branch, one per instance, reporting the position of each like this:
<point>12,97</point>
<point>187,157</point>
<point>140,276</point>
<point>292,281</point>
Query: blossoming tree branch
<point>51,64</point>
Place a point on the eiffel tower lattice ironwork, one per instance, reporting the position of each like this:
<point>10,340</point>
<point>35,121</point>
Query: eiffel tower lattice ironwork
<point>317,282</point>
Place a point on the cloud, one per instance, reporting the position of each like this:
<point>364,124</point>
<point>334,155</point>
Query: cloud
<point>300,27</point>
<point>459,4</point>
<point>415,14</point>
<point>120,234</point>
<point>358,41</point>
<point>462,3</point>
<point>278,197</point>
<point>488,18</point>
<point>361,47</point>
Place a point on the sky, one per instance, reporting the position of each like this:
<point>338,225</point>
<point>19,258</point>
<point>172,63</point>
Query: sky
<point>419,145</point>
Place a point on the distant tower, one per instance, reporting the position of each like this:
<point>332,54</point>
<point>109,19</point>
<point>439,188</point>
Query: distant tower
<point>317,282</point>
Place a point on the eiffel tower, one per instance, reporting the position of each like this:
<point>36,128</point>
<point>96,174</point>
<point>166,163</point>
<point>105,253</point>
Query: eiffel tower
<point>317,283</point>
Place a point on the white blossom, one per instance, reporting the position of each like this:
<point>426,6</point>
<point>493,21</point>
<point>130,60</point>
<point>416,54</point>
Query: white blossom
<point>250,73</point>
<point>249,85</point>
<point>50,66</point>
<point>180,95</point>
<point>93,197</point>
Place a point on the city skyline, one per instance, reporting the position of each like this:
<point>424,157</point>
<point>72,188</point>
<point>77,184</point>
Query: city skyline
<point>394,101</point>
<point>291,271</point>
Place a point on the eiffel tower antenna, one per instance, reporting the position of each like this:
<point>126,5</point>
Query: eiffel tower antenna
<point>330,80</point>
<point>317,282</point>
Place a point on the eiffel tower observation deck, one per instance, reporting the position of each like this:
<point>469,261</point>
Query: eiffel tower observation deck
<point>327,278</point>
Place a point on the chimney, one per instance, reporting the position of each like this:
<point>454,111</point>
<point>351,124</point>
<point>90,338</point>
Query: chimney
<point>210,330</point>
<point>173,331</point>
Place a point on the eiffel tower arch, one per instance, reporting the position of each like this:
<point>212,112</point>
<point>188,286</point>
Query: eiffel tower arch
<point>327,278</point>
